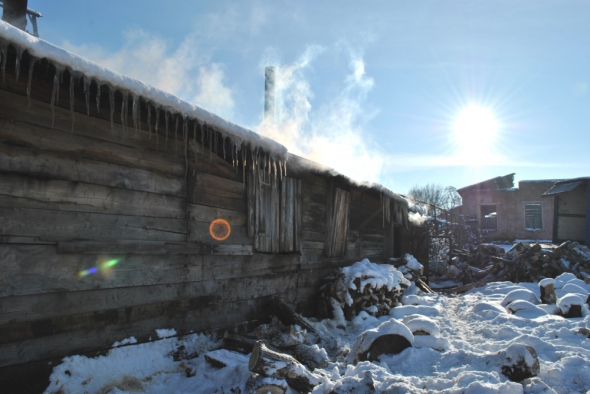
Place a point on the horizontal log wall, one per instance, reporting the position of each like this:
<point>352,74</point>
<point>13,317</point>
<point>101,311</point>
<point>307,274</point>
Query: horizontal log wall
<point>74,200</point>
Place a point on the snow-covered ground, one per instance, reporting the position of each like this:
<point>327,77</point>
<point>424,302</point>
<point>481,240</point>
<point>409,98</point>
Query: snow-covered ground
<point>460,355</point>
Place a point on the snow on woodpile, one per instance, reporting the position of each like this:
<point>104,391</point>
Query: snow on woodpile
<point>363,286</point>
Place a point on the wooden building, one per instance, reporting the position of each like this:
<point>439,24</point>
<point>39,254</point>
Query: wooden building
<point>571,210</point>
<point>111,193</point>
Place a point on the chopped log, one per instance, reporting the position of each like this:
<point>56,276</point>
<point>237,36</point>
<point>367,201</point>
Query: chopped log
<point>239,343</point>
<point>288,316</point>
<point>519,362</point>
<point>222,358</point>
<point>287,339</point>
<point>390,337</point>
<point>257,384</point>
<point>547,289</point>
<point>312,356</point>
<point>267,362</point>
<point>463,289</point>
<point>423,286</point>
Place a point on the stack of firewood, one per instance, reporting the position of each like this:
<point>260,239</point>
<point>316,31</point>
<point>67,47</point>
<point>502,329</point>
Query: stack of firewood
<point>338,296</point>
<point>524,262</point>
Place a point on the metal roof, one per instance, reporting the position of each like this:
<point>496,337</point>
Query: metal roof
<point>563,187</point>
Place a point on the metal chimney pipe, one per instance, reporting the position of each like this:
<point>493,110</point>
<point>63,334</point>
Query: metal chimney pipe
<point>15,13</point>
<point>269,93</point>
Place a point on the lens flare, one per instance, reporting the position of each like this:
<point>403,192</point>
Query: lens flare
<point>105,265</point>
<point>219,229</point>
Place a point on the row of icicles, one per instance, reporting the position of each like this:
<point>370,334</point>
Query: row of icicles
<point>256,157</point>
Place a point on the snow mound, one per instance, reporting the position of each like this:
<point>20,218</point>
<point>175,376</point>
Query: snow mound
<point>569,300</point>
<point>526,309</point>
<point>366,339</point>
<point>571,288</point>
<point>401,311</point>
<point>520,294</point>
<point>423,323</point>
<point>562,279</point>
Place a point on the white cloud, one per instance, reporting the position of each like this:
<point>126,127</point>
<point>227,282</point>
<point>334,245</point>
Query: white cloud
<point>184,71</point>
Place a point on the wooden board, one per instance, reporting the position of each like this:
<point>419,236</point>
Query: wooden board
<point>196,320</point>
<point>45,138</point>
<point>202,213</point>
<point>37,269</point>
<point>152,247</point>
<point>60,225</point>
<point>26,191</point>
<point>199,232</point>
<point>26,308</point>
<point>242,266</point>
<point>28,161</point>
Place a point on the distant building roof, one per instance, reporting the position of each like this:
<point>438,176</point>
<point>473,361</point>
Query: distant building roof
<point>565,186</point>
<point>498,183</point>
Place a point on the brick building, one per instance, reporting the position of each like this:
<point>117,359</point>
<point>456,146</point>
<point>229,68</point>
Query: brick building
<point>508,212</point>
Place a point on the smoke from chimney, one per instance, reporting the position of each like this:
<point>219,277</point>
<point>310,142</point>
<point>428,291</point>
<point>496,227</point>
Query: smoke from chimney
<point>269,93</point>
<point>15,13</point>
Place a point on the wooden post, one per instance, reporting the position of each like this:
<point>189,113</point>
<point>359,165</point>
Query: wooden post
<point>15,13</point>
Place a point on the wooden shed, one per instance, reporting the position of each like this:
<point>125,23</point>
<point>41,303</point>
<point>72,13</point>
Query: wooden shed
<point>124,209</point>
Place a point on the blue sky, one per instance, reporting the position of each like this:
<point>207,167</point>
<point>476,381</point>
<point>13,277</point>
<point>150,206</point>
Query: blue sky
<point>374,88</point>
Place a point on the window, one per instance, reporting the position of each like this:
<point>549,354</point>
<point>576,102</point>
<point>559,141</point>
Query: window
<point>489,218</point>
<point>533,216</point>
<point>274,212</point>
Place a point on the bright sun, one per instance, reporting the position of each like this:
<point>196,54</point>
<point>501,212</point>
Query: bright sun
<point>475,128</point>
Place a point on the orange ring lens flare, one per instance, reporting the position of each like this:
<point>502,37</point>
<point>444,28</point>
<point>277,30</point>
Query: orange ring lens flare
<point>219,229</point>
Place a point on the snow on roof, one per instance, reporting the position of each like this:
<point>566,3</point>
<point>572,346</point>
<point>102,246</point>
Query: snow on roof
<point>61,57</point>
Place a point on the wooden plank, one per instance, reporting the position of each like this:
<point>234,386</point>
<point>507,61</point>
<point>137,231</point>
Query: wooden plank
<point>194,320</point>
<point>203,197</point>
<point>16,309</point>
<point>55,140</point>
<point>60,225</point>
<point>313,222</point>
<point>287,215</point>
<point>312,245</point>
<point>214,165</point>
<point>37,269</point>
<point>218,184</point>
<point>314,208</point>
<point>202,213</point>
<point>309,235</point>
<point>28,161</point>
<point>233,290</point>
<point>199,232</point>
<point>152,247</point>
<point>25,191</point>
<point>243,266</point>
<point>16,107</point>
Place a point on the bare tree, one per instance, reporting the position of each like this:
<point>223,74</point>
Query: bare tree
<point>432,193</point>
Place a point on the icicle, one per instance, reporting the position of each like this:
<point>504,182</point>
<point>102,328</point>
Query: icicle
<point>203,140</point>
<point>281,170</point>
<point>124,112</point>
<point>4,51</point>
<point>233,163</point>
<point>185,132</point>
<point>139,114</point>
<point>166,117</point>
<point>72,97</point>
<point>243,164</point>
<point>112,107</point>
<point>19,56</point>
<point>149,118</point>
<point>30,80</point>
<point>223,143</point>
<point>157,108</point>
<point>195,139</point>
<point>285,166</point>
<point>134,115</point>
<point>274,165</point>
<point>210,137</point>
<point>54,92</point>
<point>175,134</point>
<point>87,94</point>
<point>98,88</point>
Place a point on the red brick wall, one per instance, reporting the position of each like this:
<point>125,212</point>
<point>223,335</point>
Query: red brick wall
<point>510,204</point>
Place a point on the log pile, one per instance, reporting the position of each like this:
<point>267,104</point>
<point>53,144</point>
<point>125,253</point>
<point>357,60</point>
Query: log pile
<point>524,262</point>
<point>344,296</point>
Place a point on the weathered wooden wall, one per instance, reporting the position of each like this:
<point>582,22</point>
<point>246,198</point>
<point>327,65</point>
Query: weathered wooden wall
<point>70,201</point>
<point>76,197</point>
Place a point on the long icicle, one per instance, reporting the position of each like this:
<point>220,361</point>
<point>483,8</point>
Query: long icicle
<point>166,118</point>
<point>19,56</point>
<point>223,143</point>
<point>30,80</point>
<point>124,112</point>
<point>185,139</point>
<point>72,98</point>
<point>55,92</point>
<point>4,52</point>
<point>157,109</point>
<point>175,134</point>
<point>203,128</point>
<point>134,99</point>
<point>149,118</point>
<point>98,89</point>
<point>195,140</point>
<point>87,94</point>
<point>112,108</point>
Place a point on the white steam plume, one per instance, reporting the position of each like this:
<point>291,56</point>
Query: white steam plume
<point>332,135</point>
